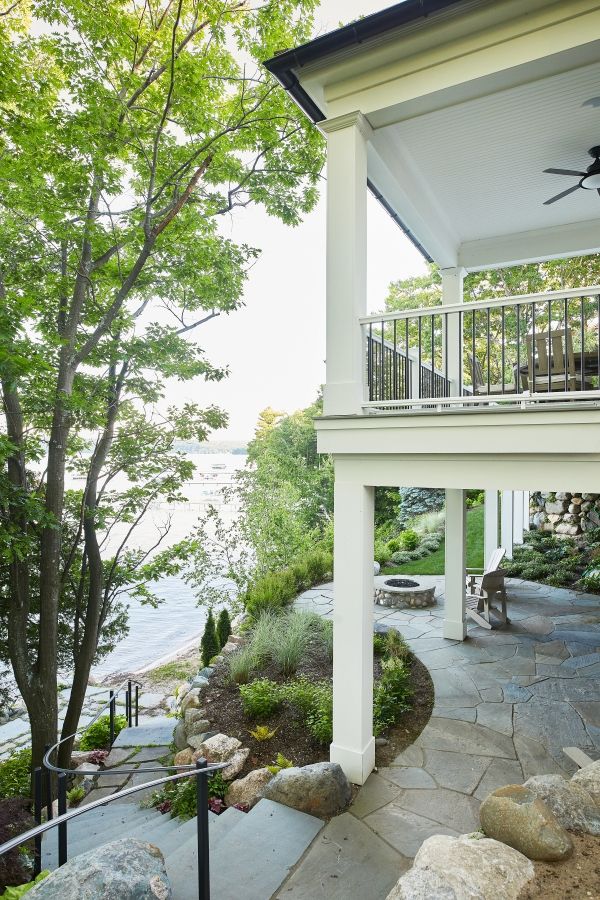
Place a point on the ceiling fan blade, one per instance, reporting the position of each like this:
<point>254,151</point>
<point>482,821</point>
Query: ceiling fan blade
<point>564,172</point>
<point>560,196</point>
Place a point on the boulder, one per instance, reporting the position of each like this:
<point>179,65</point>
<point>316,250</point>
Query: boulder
<point>249,789</point>
<point>206,672</point>
<point>320,789</point>
<point>589,779</point>
<point>376,568</point>
<point>192,715</point>
<point>236,764</point>
<point>199,681</point>
<point>572,805</point>
<point>218,748</point>
<point>183,758</point>
<point>516,816</point>
<point>198,727</point>
<point>469,866</point>
<point>191,700</point>
<point>121,870</point>
<point>180,735</point>
<point>198,740</point>
<point>182,689</point>
<point>556,508</point>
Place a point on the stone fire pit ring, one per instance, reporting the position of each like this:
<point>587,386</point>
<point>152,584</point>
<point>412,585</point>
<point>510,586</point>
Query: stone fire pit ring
<point>404,592</point>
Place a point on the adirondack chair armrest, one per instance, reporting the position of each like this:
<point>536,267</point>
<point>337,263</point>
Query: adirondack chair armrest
<point>478,571</point>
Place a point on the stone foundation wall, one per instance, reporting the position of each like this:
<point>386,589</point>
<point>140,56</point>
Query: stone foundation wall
<point>562,513</point>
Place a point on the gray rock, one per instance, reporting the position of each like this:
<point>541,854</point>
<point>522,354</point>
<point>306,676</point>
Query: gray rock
<point>199,681</point>
<point>572,805</point>
<point>206,672</point>
<point>219,748</point>
<point>469,866</point>
<point>121,870</point>
<point>248,790</point>
<point>192,715</point>
<point>236,764</point>
<point>516,816</point>
<point>376,568</point>
<point>199,726</point>
<point>191,699</point>
<point>180,736</point>
<point>589,779</point>
<point>320,789</point>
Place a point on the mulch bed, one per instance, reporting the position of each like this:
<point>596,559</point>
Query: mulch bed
<point>292,739</point>
<point>15,818</point>
<point>576,878</point>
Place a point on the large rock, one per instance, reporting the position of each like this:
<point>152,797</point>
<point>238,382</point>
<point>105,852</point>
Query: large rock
<point>320,789</point>
<point>180,735</point>
<point>193,715</point>
<point>589,779</point>
<point>219,748</point>
<point>236,764</point>
<point>191,700</point>
<point>121,870</point>
<point>572,805</point>
<point>200,726</point>
<point>183,758</point>
<point>249,789</point>
<point>516,816</point>
<point>464,868</point>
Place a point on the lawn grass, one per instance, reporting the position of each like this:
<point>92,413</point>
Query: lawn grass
<point>434,564</point>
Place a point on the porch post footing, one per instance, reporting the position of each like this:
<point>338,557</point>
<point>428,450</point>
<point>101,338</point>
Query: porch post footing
<point>357,764</point>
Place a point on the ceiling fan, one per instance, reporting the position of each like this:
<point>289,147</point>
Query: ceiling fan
<point>589,180</point>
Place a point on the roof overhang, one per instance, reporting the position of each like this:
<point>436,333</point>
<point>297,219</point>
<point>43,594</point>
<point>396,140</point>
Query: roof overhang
<point>469,101</point>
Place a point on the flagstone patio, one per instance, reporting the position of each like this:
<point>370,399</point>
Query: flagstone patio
<point>506,703</point>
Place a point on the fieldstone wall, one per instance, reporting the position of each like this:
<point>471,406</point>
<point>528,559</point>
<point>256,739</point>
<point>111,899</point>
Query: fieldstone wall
<point>562,513</point>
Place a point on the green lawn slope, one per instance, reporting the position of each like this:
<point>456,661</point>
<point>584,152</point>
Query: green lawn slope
<point>434,564</point>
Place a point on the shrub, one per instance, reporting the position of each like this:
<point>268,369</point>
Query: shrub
<point>319,565</point>
<point>301,575</point>
<point>260,698</point>
<point>209,644</point>
<point>97,736</point>
<point>590,579</point>
<point>15,775</point>
<point>401,557</point>
<point>393,545</point>
<point>409,539</point>
<point>430,523</point>
<point>381,553</point>
<point>217,786</point>
<point>223,627</point>
<point>270,592</point>
<point>395,646</point>
<point>379,643</point>
<point>76,795</point>
<point>292,635</point>
<point>183,798</point>
<point>314,699</point>
<point>327,632</point>
<point>392,694</point>
<point>242,664</point>
<point>416,501</point>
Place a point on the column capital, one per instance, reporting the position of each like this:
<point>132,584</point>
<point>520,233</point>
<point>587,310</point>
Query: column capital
<point>348,120</point>
<point>455,271</point>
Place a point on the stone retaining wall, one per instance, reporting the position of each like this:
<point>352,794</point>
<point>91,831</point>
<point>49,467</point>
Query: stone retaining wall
<point>562,513</point>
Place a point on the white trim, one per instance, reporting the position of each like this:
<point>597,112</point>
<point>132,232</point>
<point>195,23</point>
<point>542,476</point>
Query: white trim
<point>348,120</point>
<point>522,401</point>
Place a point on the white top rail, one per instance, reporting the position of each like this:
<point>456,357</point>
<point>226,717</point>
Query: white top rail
<point>519,299</point>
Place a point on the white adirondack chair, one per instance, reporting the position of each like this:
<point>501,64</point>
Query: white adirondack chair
<point>485,588</point>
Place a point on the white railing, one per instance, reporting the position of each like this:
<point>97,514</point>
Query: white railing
<point>513,351</point>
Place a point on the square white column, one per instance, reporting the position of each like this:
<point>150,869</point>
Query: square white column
<point>347,138</point>
<point>507,523</point>
<point>455,626</point>
<point>353,744</point>
<point>452,293</point>
<point>490,524</point>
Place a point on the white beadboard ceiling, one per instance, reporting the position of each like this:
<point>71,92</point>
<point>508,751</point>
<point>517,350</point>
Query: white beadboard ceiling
<point>482,161</point>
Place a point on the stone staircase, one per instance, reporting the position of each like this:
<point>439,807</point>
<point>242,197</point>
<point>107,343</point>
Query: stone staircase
<point>251,854</point>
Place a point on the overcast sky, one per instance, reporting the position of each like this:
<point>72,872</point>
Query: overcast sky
<point>275,346</point>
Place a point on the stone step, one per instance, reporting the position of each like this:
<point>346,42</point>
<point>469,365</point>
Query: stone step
<point>252,859</point>
<point>132,828</point>
<point>157,733</point>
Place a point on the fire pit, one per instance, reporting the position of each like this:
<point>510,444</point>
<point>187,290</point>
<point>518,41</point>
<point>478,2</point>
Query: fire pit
<point>400,592</point>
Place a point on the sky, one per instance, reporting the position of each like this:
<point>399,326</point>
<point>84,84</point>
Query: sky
<point>274,347</point>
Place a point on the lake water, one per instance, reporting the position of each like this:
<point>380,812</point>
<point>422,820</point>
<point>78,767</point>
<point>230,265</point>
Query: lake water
<point>155,634</point>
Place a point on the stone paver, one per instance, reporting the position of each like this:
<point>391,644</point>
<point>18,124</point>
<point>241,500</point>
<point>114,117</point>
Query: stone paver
<point>506,703</point>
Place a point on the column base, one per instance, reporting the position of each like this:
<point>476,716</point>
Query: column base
<point>455,631</point>
<point>357,765</point>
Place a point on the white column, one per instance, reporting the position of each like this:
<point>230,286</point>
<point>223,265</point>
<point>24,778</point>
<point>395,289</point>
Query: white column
<point>526,519</point>
<point>353,744</point>
<point>490,524</point>
<point>518,505</point>
<point>346,261</point>
<point>455,626</point>
<point>452,293</point>
<point>506,523</point>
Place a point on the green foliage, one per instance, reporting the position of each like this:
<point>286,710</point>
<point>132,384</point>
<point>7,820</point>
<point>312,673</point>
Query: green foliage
<point>545,557</point>
<point>97,736</point>
<point>16,892</point>
<point>75,795</point>
<point>178,670</point>
<point>381,553</point>
<point>223,627</point>
<point>274,590</point>
<point>416,501</point>
<point>183,798</point>
<point>327,626</point>
<point>263,733</point>
<point>391,695</point>
<point>409,540</point>
<point>260,698</point>
<point>242,663</point>
<point>209,643</point>
<point>15,775</point>
<point>434,563</point>
<point>314,700</point>
<point>590,579</point>
<point>217,786</point>
<point>280,763</point>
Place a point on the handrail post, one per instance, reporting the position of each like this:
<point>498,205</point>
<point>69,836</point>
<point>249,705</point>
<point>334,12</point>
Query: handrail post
<point>48,780</point>
<point>62,828</point>
<point>137,704</point>
<point>37,815</point>
<point>202,824</point>
<point>129,706</point>
<point>111,717</point>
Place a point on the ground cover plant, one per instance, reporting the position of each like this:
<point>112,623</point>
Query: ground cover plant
<point>97,736</point>
<point>434,563</point>
<point>559,561</point>
<point>15,775</point>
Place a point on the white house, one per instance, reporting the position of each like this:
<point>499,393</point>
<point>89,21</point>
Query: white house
<point>450,111</point>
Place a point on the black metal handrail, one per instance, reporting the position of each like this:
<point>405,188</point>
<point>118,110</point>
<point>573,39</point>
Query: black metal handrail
<point>60,821</point>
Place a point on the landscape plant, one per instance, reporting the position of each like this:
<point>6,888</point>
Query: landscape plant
<point>126,135</point>
<point>15,774</point>
<point>97,735</point>
<point>392,694</point>
<point>261,698</point>
<point>209,643</point>
<point>75,795</point>
<point>18,891</point>
<point>223,627</point>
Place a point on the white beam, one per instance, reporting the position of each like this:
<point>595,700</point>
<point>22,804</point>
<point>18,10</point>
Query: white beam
<point>490,524</point>
<point>455,626</point>
<point>353,744</point>
<point>507,523</point>
<point>346,261</point>
<point>518,506</point>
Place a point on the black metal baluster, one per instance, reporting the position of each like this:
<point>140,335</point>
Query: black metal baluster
<point>202,822</point>
<point>445,351</point>
<point>129,706</point>
<point>62,828</point>
<point>137,704</point>
<point>48,780</point>
<point>503,348</point>
<point>37,815</point>
<point>111,717</point>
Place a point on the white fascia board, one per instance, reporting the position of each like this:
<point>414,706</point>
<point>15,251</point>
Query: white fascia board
<point>409,196</point>
<point>575,239</point>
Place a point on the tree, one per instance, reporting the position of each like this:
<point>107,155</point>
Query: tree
<point>127,132</point>
<point>209,643</point>
<point>223,627</point>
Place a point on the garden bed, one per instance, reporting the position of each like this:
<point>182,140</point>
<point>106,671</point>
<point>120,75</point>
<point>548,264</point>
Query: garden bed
<point>570,879</point>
